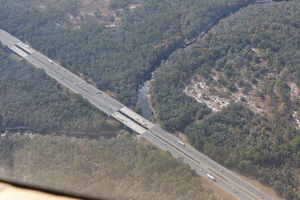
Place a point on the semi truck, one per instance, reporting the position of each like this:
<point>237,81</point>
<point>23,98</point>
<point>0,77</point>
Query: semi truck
<point>120,118</point>
<point>211,177</point>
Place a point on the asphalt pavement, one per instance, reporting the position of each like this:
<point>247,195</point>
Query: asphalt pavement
<point>225,179</point>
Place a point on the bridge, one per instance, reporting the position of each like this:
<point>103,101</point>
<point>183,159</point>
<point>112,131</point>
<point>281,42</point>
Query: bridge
<point>159,137</point>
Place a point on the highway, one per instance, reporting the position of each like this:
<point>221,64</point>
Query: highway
<point>225,179</point>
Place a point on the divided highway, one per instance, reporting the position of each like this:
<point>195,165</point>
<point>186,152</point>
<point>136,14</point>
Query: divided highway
<point>225,179</point>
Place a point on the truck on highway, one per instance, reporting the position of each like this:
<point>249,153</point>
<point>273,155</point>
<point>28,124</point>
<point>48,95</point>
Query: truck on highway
<point>120,118</point>
<point>211,177</point>
<point>50,61</point>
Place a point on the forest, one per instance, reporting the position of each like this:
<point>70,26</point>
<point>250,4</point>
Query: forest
<point>29,97</point>
<point>118,168</point>
<point>117,4</point>
<point>116,59</point>
<point>253,52</point>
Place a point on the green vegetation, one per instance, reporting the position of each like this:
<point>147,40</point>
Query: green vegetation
<point>117,59</point>
<point>255,51</point>
<point>117,168</point>
<point>115,4</point>
<point>31,98</point>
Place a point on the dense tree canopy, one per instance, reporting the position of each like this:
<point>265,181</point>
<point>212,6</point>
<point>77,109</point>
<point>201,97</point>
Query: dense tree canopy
<point>31,98</point>
<point>257,47</point>
<point>117,59</point>
<point>116,168</point>
<point>254,51</point>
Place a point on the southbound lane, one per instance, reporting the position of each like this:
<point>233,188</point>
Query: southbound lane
<point>159,137</point>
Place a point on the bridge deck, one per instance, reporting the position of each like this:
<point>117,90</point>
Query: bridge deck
<point>18,51</point>
<point>25,48</point>
<point>136,117</point>
<point>128,122</point>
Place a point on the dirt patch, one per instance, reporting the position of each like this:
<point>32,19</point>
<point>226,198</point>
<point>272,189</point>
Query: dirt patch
<point>200,91</point>
<point>217,190</point>
<point>181,136</point>
<point>90,80</point>
<point>294,94</point>
<point>111,121</point>
<point>218,96</point>
<point>97,8</point>
<point>221,96</point>
<point>90,7</point>
<point>267,190</point>
<point>222,194</point>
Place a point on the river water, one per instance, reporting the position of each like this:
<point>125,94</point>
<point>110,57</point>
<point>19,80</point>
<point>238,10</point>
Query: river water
<point>144,100</point>
<point>142,92</point>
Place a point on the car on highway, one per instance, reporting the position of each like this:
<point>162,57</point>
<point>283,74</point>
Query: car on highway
<point>200,170</point>
<point>181,143</point>
<point>164,135</point>
<point>99,104</point>
<point>221,170</point>
<point>50,61</point>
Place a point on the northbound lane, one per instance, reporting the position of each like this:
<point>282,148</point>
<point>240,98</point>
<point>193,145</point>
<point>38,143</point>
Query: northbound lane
<point>156,135</point>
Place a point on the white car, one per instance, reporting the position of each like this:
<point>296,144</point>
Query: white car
<point>50,61</point>
<point>181,143</point>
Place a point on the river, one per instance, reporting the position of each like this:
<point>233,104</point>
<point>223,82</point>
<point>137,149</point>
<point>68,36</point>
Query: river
<point>144,100</point>
<point>143,90</point>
